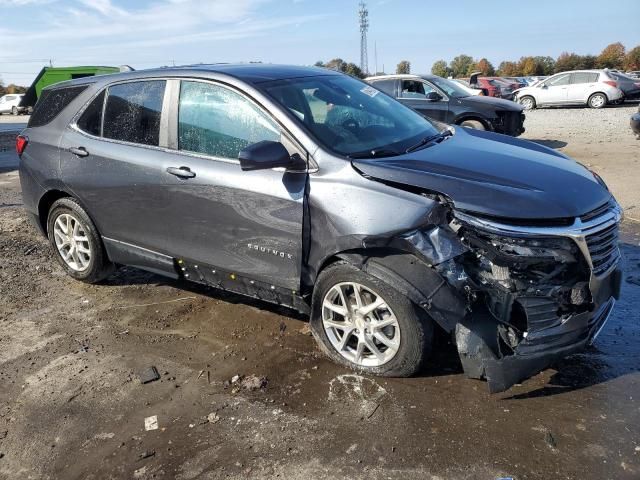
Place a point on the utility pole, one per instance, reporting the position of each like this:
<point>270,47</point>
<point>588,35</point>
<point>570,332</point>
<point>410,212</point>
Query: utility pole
<point>375,56</point>
<point>363,15</point>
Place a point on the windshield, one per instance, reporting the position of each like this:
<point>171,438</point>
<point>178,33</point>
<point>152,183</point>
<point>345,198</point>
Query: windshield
<point>348,116</point>
<point>452,89</point>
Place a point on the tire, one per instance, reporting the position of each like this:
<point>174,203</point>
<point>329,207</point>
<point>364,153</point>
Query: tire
<point>475,124</point>
<point>597,100</point>
<point>528,102</point>
<point>14,111</point>
<point>90,267</point>
<point>411,335</point>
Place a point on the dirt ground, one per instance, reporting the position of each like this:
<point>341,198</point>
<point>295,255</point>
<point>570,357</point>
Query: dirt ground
<point>72,405</point>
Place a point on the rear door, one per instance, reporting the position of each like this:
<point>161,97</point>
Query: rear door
<point>581,85</point>
<point>114,158</point>
<point>413,93</point>
<point>245,223</point>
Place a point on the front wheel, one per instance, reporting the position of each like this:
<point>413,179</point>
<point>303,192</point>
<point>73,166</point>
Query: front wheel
<point>528,102</point>
<point>14,110</point>
<point>597,100</point>
<point>367,325</point>
<point>76,242</point>
<point>475,124</point>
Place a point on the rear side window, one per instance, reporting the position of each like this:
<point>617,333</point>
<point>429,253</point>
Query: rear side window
<point>51,103</point>
<point>91,119</point>
<point>220,122</point>
<point>132,112</point>
<point>584,77</point>
<point>387,86</point>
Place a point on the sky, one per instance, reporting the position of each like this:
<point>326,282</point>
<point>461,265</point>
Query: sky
<point>150,33</point>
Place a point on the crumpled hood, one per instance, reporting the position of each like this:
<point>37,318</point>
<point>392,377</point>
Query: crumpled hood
<point>484,102</point>
<point>495,175</point>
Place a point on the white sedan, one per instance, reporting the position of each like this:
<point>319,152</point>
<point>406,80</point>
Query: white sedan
<point>595,88</point>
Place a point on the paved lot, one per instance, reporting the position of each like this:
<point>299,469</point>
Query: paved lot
<point>10,123</point>
<point>71,404</point>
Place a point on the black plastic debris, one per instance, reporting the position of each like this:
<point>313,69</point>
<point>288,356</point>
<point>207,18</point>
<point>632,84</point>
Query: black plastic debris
<point>551,441</point>
<point>148,375</point>
<point>147,454</point>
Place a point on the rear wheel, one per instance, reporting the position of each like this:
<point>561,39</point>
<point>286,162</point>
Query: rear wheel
<point>365,324</point>
<point>76,242</point>
<point>528,102</point>
<point>597,100</point>
<point>14,110</point>
<point>475,124</point>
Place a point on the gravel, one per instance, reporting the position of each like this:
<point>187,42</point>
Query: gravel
<point>585,125</point>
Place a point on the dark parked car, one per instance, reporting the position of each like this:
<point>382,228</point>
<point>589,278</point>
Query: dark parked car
<point>635,123</point>
<point>312,189</point>
<point>446,101</point>
<point>630,86</point>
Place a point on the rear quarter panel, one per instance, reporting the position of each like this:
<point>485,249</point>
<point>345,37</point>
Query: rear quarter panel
<point>40,161</point>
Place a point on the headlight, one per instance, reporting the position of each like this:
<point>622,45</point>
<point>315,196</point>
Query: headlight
<point>599,180</point>
<point>519,249</point>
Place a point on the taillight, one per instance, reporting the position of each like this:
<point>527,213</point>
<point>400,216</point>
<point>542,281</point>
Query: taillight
<point>613,83</point>
<point>21,143</point>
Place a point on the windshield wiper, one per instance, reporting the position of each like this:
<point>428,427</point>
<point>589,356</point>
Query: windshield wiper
<point>374,153</point>
<point>427,140</point>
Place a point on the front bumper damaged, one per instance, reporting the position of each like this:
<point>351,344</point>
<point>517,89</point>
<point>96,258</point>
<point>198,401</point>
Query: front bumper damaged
<point>479,345</point>
<point>541,293</point>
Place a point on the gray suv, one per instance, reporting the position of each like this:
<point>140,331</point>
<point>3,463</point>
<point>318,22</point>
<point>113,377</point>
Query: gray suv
<point>311,189</point>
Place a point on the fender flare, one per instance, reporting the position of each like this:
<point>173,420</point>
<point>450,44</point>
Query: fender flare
<point>416,280</point>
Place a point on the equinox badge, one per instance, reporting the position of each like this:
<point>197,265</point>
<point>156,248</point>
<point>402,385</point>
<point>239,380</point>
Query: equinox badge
<point>273,251</point>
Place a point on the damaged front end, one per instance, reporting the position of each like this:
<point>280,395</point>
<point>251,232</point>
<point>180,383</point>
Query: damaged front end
<point>537,293</point>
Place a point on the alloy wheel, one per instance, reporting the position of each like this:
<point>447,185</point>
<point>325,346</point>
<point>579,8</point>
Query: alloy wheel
<point>527,103</point>
<point>597,101</point>
<point>360,324</point>
<point>72,242</point>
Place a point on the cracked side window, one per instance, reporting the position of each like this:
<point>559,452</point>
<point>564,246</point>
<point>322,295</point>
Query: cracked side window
<point>132,113</point>
<point>217,121</point>
<point>91,119</point>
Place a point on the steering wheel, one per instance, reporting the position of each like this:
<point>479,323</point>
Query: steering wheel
<point>352,125</point>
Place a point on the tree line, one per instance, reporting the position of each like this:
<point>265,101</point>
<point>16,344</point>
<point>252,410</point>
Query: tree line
<point>11,88</point>
<point>613,56</point>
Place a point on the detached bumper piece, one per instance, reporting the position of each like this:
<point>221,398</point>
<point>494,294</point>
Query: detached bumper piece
<point>478,344</point>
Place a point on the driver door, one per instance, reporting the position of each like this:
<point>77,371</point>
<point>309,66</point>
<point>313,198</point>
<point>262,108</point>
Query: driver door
<point>555,90</point>
<point>413,93</point>
<point>247,223</point>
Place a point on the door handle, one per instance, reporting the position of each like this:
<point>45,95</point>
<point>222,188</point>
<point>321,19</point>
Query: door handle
<point>182,172</point>
<point>79,151</point>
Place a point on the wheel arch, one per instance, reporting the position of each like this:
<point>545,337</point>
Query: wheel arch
<point>45,203</point>
<point>596,93</point>
<point>474,116</point>
<point>412,277</point>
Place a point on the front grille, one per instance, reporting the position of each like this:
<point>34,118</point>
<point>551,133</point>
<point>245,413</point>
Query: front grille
<point>597,211</point>
<point>510,123</point>
<point>603,248</point>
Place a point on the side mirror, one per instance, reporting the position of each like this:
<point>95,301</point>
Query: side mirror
<point>434,97</point>
<point>264,155</point>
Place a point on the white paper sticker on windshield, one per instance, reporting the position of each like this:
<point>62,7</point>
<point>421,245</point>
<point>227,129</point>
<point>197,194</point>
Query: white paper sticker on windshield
<point>372,92</point>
